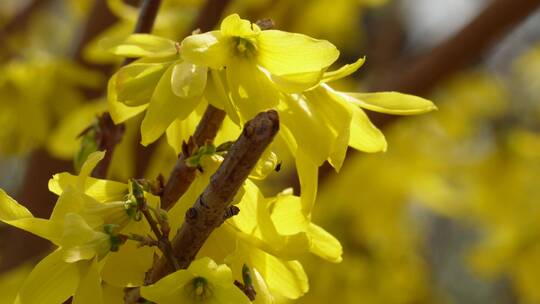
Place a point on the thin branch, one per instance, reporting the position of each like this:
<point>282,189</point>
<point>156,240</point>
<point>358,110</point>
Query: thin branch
<point>182,175</point>
<point>20,20</point>
<point>209,211</point>
<point>210,14</point>
<point>108,136</point>
<point>162,237</point>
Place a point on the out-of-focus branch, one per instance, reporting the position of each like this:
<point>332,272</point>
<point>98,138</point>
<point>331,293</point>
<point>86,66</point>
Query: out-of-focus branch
<point>210,14</point>
<point>461,50</point>
<point>209,211</point>
<point>108,136</point>
<point>21,19</point>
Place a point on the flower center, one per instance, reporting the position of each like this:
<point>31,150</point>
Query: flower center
<point>244,46</point>
<point>201,288</point>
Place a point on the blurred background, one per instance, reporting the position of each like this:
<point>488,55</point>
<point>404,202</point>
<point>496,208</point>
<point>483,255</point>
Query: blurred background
<point>449,214</point>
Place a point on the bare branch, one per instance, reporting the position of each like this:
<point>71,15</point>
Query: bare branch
<point>182,175</point>
<point>209,211</point>
<point>108,136</point>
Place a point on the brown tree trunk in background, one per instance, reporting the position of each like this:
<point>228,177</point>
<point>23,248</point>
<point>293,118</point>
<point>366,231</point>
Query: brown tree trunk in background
<point>461,50</point>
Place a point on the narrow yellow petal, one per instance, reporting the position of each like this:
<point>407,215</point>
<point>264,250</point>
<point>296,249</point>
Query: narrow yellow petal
<point>392,103</point>
<point>99,189</point>
<point>10,209</point>
<point>89,290</point>
<point>344,71</point>
<point>135,83</point>
<point>52,281</point>
<point>141,45</point>
<point>233,25</point>
<point>324,244</point>
<point>209,49</point>
<point>308,172</point>
<point>295,57</point>
<point>364,135</point>
<point>89,165</point>
<point>119,111</point>
<point>16,215</point>
<point>127,267</point>
<point>164,107</point>
<point>188,80</point>
<point>169,290</point>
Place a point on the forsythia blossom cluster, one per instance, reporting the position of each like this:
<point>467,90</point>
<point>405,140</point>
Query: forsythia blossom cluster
<point>243,70</point>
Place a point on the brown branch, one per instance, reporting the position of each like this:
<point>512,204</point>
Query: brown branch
<point>20,21</point>
<point>463,49</point>
<point>209,211</point>
<point>182,175</point>
<point>161,234</point>
<point>210,14</point>
<point>108,136</point>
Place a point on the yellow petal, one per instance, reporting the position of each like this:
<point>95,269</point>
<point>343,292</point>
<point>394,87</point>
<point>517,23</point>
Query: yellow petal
<point>119,111</point>
<point>209,49</point>
<point>266,165</point>
<point>392,103</point>
<point>89,165</point>
<point>364,135</point>
<point>289,55</point>
<point>344,71</point>
<point>112,294</point>
<point>80,241</point>
<point>308,172</point>
<point>164,107</point>
<point>127,267</point>
<point>250,89</point>
<point>11,280</point>
<point>141,45</point>
<point>99,189</point>
<point>135,83</point>
<point>303,121</point>
<point>188,80</point>
<point>52,281</point>
<point>324,244</point>
<point>286,279</point>
<point>169,290</point>
<point>14,214</point>
<point>337,116</point>
<point>287,214</point>
<point>234,26</point>
<point>70,200</point>
<point>296,83</point>
<point>217,94</point>
<point>10,209</point>
<point>89,290</point>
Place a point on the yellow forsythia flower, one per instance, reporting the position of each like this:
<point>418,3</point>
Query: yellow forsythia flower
<point>203,282</point>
